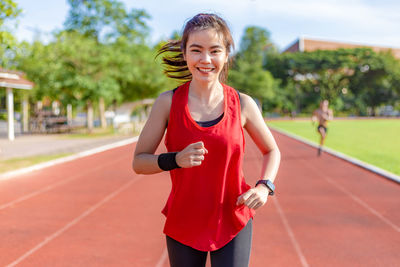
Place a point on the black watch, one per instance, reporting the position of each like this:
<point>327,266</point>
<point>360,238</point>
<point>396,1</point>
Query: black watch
<point>269,185</point>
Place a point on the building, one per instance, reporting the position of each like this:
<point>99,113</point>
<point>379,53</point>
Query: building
<point>14,80</point>
<point>310,44</point>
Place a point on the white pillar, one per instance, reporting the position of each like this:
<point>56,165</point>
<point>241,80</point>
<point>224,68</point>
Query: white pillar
<point>90,116</point>
<point>25,114</point>
<point>69,114</point>
<point>10,112</point>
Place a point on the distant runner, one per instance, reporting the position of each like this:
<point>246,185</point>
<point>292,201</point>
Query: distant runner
<point>322,115</point>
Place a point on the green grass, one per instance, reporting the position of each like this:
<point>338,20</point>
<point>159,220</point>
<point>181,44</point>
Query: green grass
<point>17,163</point>
<point>96,133</point>
<point>375,141</point>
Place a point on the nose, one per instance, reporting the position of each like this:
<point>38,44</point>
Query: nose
<point>205,57</point>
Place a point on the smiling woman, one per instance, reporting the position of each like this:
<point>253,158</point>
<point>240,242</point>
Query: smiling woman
<point>174,51</point>
<point>206,55</point>
<point>211,207</point>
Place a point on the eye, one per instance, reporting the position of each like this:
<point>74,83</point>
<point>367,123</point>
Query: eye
<point>216,51</point>
<point>195,50</point>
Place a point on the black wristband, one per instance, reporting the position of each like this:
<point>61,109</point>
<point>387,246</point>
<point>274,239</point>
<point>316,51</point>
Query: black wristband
<point>167,161</point>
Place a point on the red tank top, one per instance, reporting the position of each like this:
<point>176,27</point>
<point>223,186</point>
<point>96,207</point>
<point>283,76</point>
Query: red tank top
<point>201,210</point>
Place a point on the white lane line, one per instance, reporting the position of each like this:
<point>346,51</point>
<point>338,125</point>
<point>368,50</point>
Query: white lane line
<point>52,186</point>
<point>362,164</point>
<point>162,259</point>
<point>290,233</point>
<point>16,173</point>
<point>359,201</point>
<point>73,222</point>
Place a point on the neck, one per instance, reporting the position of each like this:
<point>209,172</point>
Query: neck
<point>205,91</point>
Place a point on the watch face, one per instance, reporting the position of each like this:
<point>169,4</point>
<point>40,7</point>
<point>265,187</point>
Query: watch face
<point>270,185</point>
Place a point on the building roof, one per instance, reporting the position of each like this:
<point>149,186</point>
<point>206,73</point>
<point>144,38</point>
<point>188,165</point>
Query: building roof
<point>310,44</point>
<point>14,79</point>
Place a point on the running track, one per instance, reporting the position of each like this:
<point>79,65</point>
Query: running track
<point>96,212</point>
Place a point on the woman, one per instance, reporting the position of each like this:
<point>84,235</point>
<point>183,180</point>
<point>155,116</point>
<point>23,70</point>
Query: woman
<point>210,207</point>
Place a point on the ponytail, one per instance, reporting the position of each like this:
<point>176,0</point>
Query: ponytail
<point>174,62</point>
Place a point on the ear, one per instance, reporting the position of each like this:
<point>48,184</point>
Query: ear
<point>184,55</point>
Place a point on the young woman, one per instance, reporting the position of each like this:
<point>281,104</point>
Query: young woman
<point>210,207</point>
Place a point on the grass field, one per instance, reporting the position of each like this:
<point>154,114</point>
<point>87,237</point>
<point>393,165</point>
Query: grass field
<point>375,141</point>
<point>17,163</point>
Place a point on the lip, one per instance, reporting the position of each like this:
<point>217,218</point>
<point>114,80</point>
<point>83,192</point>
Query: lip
<point>205,70</point>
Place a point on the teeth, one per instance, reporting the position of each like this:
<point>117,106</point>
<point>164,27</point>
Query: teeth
<point>205,70</point>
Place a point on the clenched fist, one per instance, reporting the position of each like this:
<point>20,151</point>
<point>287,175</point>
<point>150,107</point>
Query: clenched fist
<point>254,197</point>
<point>191,156</point>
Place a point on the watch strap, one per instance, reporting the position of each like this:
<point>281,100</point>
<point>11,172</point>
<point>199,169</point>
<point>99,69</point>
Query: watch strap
<point>268,184</point>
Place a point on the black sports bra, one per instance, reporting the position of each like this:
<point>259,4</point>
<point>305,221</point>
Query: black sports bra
<point>211,122</point>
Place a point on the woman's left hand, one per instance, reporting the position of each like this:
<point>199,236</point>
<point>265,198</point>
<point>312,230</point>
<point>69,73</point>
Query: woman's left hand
<point>254,198</point>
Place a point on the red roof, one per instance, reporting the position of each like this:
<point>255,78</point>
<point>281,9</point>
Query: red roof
<point>14,79</point>
<point>309,44</point>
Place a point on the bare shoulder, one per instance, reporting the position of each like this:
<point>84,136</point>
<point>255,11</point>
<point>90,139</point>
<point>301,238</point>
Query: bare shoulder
<point>165,98</point>
<point>154,128</point>
<point>162,104</point>
<point>249,109</point>
<point>160,111</point>
<point>248,104</point>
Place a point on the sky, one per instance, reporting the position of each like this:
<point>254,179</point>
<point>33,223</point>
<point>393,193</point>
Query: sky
<point>355,21</point>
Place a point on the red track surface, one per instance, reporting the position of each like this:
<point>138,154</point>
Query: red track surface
<point>96,212</point>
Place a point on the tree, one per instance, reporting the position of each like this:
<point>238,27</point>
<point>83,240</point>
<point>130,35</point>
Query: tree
<point>354,80</point>
<point>106,20</point>
<point>254,45</point>
<point>73,69</point>
<point>108,23</point>
<point>375,80</point>
<point>247,73</point>
<point>8,11</point>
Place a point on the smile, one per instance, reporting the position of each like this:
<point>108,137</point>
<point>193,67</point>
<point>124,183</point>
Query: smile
<point>206,70</point>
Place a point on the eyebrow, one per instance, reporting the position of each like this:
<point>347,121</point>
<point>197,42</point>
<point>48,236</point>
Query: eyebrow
<point>199,46</point>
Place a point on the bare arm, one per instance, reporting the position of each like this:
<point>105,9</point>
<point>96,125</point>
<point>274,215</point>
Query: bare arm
<point>330,114</point>
<point>314,117</point>
<point>144,161</point>
<point>255,125</point>
<point>262,137</point>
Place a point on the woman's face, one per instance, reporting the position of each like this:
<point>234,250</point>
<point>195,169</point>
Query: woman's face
<point>205,55</point>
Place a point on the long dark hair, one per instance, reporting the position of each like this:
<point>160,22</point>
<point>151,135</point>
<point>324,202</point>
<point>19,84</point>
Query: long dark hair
<point>174,63</point>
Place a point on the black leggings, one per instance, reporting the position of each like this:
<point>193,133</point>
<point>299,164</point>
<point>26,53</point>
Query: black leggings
<point>234,254</point>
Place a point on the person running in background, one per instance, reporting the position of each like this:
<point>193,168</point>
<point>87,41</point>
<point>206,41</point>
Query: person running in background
<point>211,207</point>
<point>322,115</point>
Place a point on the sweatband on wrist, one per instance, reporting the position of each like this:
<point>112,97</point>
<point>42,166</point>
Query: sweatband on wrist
<point>167,161</point>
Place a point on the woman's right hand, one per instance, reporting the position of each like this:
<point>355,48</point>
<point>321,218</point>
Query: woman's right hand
<point>191,156</point>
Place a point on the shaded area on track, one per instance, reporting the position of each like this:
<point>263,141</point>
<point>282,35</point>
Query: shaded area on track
<point>96,212</point>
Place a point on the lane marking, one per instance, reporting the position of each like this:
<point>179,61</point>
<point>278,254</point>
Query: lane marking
<point>359,201</point>
<point>52,186</point>
<point>290,233</point>
<point>384,173</point>
<point>16,173</point>
<point>73,222</point>
<point>348,193</point>
<point>162,259</point>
